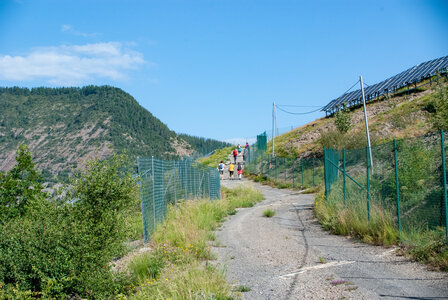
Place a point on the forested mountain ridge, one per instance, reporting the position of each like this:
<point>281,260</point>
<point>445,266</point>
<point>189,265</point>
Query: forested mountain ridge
<point>65,127</point>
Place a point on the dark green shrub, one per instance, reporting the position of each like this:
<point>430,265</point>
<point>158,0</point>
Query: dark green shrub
<point>440,102</point>
<point>342,120</point>
<point>21,188</point>
<point>61,249</point>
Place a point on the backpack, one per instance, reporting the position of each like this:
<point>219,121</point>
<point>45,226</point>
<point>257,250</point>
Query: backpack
<point>235,153</point>
<point>240,167</point>
<point>221,166</point>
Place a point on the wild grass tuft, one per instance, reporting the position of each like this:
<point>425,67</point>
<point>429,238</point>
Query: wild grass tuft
<point>268,213</point>
<point>428,246</point>
<point>180,244</point>
<point>242,289</point>
<point>352,220</point>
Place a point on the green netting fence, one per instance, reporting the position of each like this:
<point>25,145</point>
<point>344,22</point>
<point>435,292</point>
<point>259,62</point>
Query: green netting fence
<point>407,182</point>
<point>292,172</point>
<point>167,182</point>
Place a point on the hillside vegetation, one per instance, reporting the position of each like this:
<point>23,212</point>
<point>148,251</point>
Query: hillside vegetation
<point>403,116</point>
<point>65,127</point>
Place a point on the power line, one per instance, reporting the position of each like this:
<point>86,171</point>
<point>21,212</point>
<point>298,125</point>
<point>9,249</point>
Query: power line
<point>295,113</point>
<point>287,105</point>
<point>351,87</point>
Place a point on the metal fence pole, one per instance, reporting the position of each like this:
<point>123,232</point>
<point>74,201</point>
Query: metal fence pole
<point>325,174</point>
<point>442,138</point>
<point>185,179</point>
<point>175,181</point>
<point>313,173</point>
<point>345,187</point>
<point>286,172</point>
<point>293,167</point>
<point>397,185</point>
<point>368,184</point>
<point>153,192</point>
<point>145,231</point>
<point>301,168</point>
<point>276,169</point>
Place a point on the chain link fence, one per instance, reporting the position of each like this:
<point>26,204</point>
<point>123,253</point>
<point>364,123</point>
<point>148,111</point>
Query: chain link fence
<point>407,182</point>
<point>292,172</point>
<point>167,182</point>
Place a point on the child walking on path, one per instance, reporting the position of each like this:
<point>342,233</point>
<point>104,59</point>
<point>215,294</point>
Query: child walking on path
<point>221,169</point>
<point>231,168</point>
<point>239,168</point>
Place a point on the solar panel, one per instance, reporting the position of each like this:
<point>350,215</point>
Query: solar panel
<point>410,76</point>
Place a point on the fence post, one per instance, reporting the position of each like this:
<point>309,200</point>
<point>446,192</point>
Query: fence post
<point>145,231</point>
<point>293,167</point>
<point>175,181</point>
<point>345,188</point>
<point>301,170</point>
<point>184,171</point>
<point>209,189</point>
<point>313,173</point>
<point>276,168</point>
<point>284,161</point>
<point>444,184</point>
<point>325,174</point>
<point>153,192</point>
<point>397,185</point>
<point>368,183</point>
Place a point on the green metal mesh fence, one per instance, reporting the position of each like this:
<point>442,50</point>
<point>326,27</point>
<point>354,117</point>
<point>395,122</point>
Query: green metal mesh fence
<point>167,182</point>
<point>289,171</point>
<point>407,182</point>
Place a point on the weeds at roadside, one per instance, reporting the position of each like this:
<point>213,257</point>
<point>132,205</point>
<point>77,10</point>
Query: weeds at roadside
<point>242,289</point>
<point>427,246</point>
<point>268,213</point>
<point>179,268</point>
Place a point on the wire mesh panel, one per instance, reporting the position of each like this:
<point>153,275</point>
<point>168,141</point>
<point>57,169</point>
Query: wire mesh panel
<point>293,172</point>
<point>167,182</point>
<point>419,170</point>
<point>406,185</point>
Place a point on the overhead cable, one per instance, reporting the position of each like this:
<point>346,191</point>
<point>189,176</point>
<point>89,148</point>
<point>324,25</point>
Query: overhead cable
<point>295,113</point>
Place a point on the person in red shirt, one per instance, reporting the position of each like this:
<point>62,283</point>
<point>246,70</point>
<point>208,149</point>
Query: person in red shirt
<point>235,154</point>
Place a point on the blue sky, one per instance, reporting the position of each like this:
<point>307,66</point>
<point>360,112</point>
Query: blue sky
<point>212,68</point>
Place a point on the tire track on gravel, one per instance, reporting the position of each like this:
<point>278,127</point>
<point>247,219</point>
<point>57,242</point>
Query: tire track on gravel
<point>289,256</point>
<point>292,286</point>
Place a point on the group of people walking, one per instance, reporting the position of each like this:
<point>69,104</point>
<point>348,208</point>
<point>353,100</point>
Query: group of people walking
<point>238,151</point>
<point>239,166</point>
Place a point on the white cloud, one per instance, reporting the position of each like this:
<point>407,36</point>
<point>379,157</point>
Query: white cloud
<point>69,29</point>
<point>71,65</point>
<point>241,141</point>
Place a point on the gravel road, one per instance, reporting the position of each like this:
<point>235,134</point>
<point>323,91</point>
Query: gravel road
<point>289,256</point>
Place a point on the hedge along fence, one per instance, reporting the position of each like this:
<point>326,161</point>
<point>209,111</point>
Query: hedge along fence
<point>166,182</point>
<point>293,171</point>
<point>408,181</point>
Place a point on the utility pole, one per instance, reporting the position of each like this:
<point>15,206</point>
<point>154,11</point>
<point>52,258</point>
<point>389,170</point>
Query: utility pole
<point>274,123</point>
<point>365,119</point>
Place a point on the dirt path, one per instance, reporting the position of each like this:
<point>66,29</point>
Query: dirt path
<point>289,256</point>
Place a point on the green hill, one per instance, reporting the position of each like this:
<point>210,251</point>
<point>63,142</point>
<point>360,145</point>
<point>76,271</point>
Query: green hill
<point>406,115</point>
<point>65,127</point>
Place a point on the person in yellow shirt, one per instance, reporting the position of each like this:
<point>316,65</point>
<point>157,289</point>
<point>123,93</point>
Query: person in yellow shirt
<point>231,168</point>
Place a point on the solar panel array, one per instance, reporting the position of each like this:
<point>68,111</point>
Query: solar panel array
<point>410,76</point>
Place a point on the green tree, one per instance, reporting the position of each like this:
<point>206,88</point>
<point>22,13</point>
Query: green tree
<point>342,120</point>
<point>440,119</point>
<point>63,249</point>
<point>21,188</point>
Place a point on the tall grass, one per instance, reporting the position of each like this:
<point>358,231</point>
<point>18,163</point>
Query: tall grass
<point>218,156</point>
<point>352,219</point>
<point>425,245</point>
<point>179,268</point>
